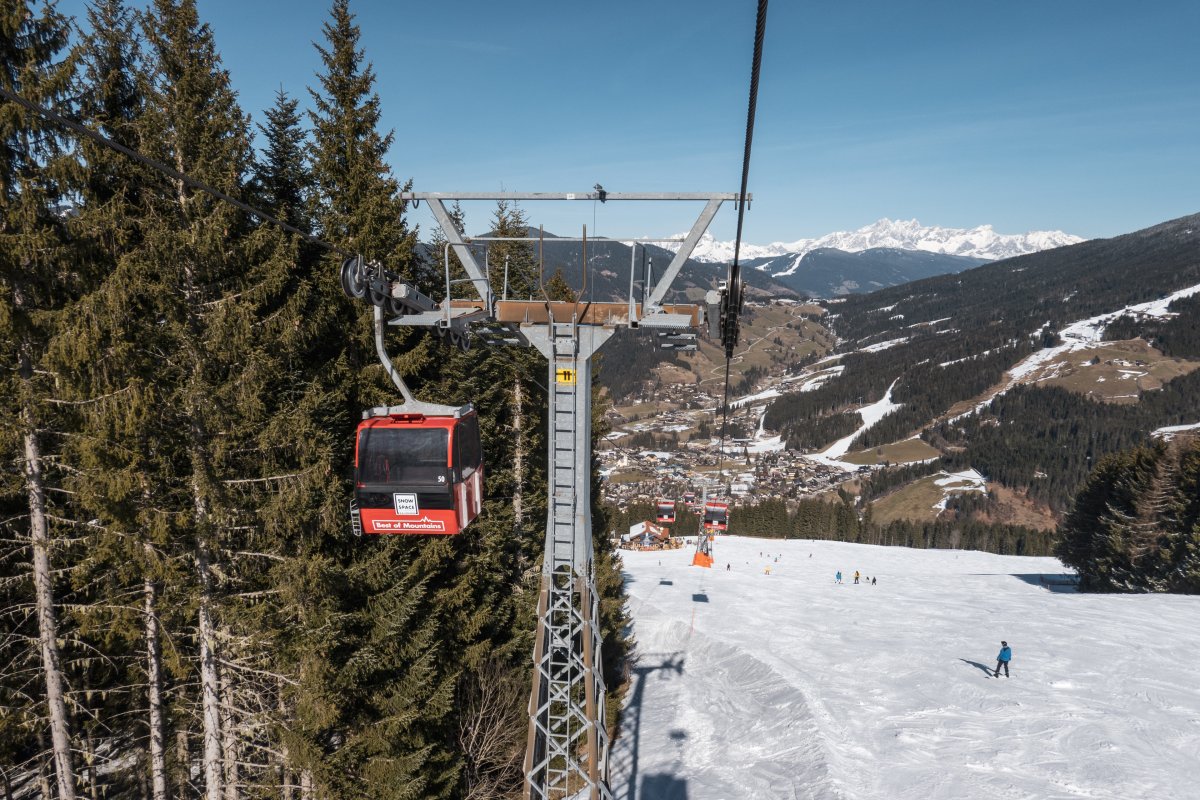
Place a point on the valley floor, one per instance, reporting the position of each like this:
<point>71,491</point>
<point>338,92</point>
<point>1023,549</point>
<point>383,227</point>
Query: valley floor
<point>787,685</point>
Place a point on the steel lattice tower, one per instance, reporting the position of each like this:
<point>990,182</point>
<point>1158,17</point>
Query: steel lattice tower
<point>567,748</point>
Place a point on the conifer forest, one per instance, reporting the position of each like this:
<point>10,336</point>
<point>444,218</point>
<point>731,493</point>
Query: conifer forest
<point>184,611</point>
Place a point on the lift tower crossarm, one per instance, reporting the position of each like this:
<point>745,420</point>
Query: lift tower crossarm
<point>570,196</point>
<point>712,200</point>
<point>482,286</point>
<point>684,252</point>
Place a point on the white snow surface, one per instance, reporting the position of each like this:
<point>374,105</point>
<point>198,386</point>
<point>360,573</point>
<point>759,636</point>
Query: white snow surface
<point>979,242</point>
<point>870,415</point>
<point>878,346</point>
<point>763,443</point>
<point>1169,431</point>
<point>784,686</point>
<point>815,380</point>
<point>955,483</point>
<point>967,479</point>
<point>765,394</point>
<point>1085,333</point>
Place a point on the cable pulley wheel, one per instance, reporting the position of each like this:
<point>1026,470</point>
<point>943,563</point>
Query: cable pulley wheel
<point>377,295</point>
<point>353,284</point>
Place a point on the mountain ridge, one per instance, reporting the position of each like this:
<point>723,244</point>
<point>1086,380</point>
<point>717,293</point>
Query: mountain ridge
<point>981,242</point>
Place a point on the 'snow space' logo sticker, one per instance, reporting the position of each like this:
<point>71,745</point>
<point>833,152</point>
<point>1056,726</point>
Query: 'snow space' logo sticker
<point>406,505</point>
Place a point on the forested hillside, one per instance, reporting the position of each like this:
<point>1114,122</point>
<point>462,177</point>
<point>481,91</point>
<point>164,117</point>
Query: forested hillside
<point>950,339</point>
<point>183,611</point>
<point>828,272</point>
<point>841,521</point>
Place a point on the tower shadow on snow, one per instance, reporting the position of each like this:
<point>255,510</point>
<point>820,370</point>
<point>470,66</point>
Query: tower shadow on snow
<point>653,786</point>
<point>663,787</point>
<point>1058,582</point>
<point>1051,582</point>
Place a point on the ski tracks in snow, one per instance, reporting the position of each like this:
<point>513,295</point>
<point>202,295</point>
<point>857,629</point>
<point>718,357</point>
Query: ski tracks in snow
<point>734,727</point>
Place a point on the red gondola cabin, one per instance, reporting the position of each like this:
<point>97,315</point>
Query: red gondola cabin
<point>417,474</point>
<point>716,516</point>
<point>666,511</point>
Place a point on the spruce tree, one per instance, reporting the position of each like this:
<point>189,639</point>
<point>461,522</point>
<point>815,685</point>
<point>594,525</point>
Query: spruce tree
<point>282,175</point>
<point>39,280</point>
<point>112,569</point>
<point>376,690</point>
<point>188,277</point>
<point>1133,526</point>
<point>301,457</point>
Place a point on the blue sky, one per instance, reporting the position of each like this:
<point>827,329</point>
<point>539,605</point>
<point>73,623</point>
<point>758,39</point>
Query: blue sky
<point>1078,116</point>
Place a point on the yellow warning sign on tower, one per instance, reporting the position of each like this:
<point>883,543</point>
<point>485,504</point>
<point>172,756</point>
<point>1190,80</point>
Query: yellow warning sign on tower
<point>565,376</point>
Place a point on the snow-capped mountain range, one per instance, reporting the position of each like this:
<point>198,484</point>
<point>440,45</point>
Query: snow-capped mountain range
<point>980,242</point>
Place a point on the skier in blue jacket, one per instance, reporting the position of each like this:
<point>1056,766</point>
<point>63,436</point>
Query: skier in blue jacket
<point>1003,659</point>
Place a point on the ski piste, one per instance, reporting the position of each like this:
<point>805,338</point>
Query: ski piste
<point>786,685</point>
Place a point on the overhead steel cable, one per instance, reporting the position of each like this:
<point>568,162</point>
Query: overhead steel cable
<point>83,130</point>
<point>732,302</point>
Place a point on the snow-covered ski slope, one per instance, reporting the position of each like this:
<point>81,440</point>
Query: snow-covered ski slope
<point>786,685</point>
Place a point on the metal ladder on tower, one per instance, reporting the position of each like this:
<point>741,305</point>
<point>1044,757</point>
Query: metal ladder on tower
<point>565,348</point>
<point>569,742</point>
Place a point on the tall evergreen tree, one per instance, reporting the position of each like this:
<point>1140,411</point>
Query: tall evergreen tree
<point>301,460</point>
<point>358,206</point>
<point>487,603</point>
<point>1134,527</point>
<point>113,569</point>
<point>282,175</point>
<point>190,271</point>
<point>38,282</point>
<point>374,704</point>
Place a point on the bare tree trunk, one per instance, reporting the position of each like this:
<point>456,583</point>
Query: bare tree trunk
<point>158,732</point>
<point>306,785</point>
<point>518,453</point>
<point>287,790</point>
<point>209,682</point>
<point>142,784</point>
<point>491,733</point>
<point>47,627</point>
<point>229,740</point>
<point>44,783</point>
<point>185,761</point>
<point>89,756</point>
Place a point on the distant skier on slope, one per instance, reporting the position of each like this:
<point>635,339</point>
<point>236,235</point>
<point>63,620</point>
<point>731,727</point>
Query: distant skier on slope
<point>838,578</point>
<point>856,576</point>
<point>1003,659</point>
